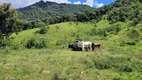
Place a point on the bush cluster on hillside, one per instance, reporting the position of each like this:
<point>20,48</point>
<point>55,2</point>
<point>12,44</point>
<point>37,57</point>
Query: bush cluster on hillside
<point>36,43</point>
<point>121,63</point>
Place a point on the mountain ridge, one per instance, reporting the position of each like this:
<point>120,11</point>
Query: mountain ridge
<point>50,9</point>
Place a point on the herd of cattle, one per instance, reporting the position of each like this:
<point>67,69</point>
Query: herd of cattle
<point>84,46</point>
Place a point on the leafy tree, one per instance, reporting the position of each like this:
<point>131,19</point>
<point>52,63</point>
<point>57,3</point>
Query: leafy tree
<point>8,21</point>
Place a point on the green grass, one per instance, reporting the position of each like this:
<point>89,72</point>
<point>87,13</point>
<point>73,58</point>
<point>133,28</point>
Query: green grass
<point>49,64</point>
<point>60,35</point>
<point>57,35</point>
<point>115,61</point>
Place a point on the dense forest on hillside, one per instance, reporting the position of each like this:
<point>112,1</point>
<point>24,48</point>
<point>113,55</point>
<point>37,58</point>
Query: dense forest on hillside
<point>50,10</point>
<point>121,10</point>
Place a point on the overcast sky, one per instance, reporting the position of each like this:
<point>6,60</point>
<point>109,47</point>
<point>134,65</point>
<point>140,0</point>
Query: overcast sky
<point>92,3</point>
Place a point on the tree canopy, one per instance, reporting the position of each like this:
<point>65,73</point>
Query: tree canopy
<point>8,21</point>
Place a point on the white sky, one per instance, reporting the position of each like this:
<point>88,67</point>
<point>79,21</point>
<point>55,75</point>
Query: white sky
<point>23,3</point>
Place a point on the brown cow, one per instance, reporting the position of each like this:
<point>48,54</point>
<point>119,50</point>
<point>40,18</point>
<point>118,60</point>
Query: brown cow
<point>97,45</point>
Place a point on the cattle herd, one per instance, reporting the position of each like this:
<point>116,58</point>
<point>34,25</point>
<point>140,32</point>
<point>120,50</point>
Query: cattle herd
<point>84,46</point>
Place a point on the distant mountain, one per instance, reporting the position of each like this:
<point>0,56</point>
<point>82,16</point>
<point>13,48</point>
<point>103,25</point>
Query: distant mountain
<point>51,12</point>
<point>41,10</point>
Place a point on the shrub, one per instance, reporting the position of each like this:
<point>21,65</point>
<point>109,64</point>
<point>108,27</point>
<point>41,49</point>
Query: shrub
<point>55,77</point>
<point>40,44</point>
<point>100,32</point>
<point>2,43</point>
<point>135,22</point>
<point>133,34</point>
<point>61,42</point>
<point>131,43</point>
<point>117,78</point>
<point>125,68</point>
<point>122,43</point>
<point>114,29</point>
<point>36,43</point>
<point>42,30</point>
<point>30,43</point>
<point>102,63</point>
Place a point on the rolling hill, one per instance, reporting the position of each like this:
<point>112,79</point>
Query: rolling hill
<point>53,13</point>
<point>42,10</point>
<point>48,56</point>
<point>42,53</point>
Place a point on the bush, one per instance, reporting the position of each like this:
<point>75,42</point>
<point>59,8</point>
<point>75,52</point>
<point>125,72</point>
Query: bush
<point>117,78</point>
<point>40,44</point>
<point>42,30</point>
<point>30,43</point>
<point>133,34</point>
<point>126,68</point>
<point>2,43</point>
<point>114,29</point>
<point>100,32</point>
<point>131,43</point>
<point>102,63</point>
<point>122,43</point>
<point>36,43</point>
<point>7,50</point>
<point>135,22</point>
<point>55,76</point>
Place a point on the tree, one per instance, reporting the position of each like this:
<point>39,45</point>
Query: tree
<point>8,21</point>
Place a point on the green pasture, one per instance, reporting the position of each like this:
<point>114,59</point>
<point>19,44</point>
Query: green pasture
<point>63,64</point>
<point>34,56</point>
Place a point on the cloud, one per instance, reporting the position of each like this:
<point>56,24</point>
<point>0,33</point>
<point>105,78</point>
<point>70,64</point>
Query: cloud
<point>100,5</point>
<point>97,4</point>
<point>23,3</point>
<point>89,3</point>
<point>78,2</point>
<point>93,3</point>
<point>20,3</point>
<point>2,1</point>
<point>59,1</point>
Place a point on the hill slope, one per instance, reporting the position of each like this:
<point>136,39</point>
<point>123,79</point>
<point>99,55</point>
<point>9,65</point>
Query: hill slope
<point>120,10</point>
<point>48,10</point>
<point>55,61</point>
<point>120,56</point>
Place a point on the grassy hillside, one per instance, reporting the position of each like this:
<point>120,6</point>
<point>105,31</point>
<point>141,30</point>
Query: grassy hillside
<point>115,63</point>
<point>120,57</point>
<point>57,35</point>
<point>42,53</point>
<point>60,35</point>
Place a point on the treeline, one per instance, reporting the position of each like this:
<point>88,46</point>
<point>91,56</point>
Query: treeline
<point>51,13</point>
<point>126,10</point>
<point>45,13</point>
<point>121,10</point>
